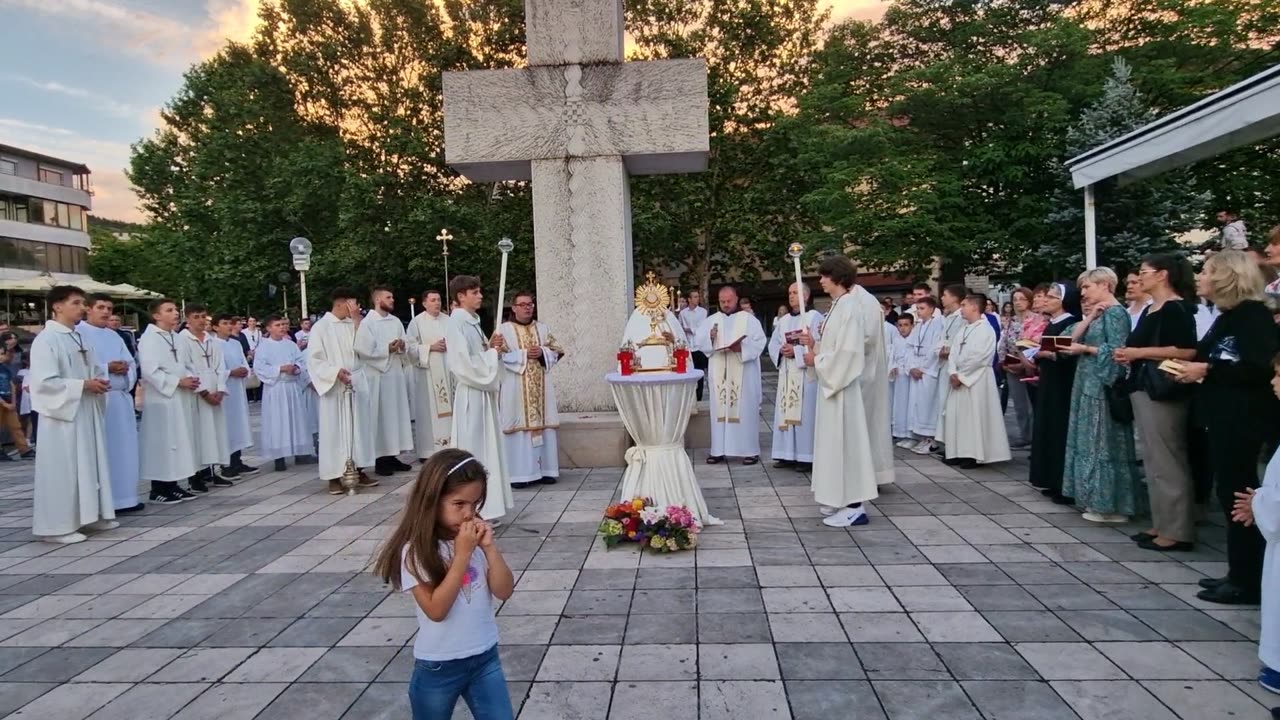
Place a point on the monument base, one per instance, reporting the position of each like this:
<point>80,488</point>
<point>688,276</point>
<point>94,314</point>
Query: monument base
<point>600,439</point>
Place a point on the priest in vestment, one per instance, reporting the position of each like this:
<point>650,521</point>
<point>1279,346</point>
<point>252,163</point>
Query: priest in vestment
<point>380,346</point>
<point>433,416</point>
<point>899,357</point>
<point>475,363</point>
<point>733,341</point>
<point>286,425</point>
<point>923,367</point>
<point>875,383</point>
<point>72,475</point>
<point>166,435</point>
<point>952,322</point>
<point>844,474</point>
<point>235,406</point>
<point>116,364</point>
<point>974,432</point>
<point>201,352</point>
<point>344,405</point>
<point>795,404</point>
<point>527,401</point>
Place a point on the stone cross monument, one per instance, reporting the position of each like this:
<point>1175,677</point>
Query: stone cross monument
<point>577,122</point>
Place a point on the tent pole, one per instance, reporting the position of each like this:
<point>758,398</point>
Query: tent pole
<point>1090,229</point>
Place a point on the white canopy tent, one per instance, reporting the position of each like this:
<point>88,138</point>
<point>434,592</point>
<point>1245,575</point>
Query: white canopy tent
<point>1242,114</point>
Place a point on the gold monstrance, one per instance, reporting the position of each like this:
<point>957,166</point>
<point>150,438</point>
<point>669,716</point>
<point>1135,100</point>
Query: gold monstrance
<point>654,299</point>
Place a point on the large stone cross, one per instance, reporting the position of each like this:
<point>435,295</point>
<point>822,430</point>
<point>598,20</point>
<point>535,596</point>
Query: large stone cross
<point>577,122</point>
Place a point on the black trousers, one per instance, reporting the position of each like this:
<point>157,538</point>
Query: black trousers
<point>1234,449</point>
<point>700,362</point>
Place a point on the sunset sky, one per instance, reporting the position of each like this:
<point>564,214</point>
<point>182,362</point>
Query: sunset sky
<point>82,79</point>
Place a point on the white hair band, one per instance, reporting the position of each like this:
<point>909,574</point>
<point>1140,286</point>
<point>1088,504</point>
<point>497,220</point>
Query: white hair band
<point>464,461</point>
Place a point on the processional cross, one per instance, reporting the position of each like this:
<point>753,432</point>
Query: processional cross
<point>576,123</point>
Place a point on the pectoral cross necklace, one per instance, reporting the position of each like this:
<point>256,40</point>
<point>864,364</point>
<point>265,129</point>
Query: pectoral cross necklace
<point>168,339</point>
<point>204,349</point>
<point>84,352</point>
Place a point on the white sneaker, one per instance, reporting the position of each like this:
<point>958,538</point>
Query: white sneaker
<point>68,539</point>
<point>924,447</point>
<point>846,517</point>
<point>1104,517</point>
<point>102,525</point>
<point>906,444</point>
<point>827,510</point>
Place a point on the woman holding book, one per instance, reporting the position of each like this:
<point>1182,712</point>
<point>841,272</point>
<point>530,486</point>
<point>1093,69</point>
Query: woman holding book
<point>1160,405</point>
<point>1055,374</point>
<point>1022,332</point>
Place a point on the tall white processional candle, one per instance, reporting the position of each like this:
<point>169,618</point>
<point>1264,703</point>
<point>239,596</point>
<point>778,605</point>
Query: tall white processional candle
<point>795,250</point>
<point>506,246</point>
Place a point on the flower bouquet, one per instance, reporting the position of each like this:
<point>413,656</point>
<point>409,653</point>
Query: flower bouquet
<point>639,521</point>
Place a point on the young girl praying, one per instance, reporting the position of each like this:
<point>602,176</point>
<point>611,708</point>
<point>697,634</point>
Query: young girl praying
<point>445,555</point>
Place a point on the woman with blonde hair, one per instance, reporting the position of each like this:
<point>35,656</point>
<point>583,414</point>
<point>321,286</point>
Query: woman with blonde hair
<point>1026,324</point>
<point>1235,406</point>
<point>1101,471</point>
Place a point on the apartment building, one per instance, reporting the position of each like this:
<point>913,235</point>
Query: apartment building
<point>44,215</point>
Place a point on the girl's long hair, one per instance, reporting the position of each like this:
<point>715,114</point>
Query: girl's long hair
<point>444,473</point>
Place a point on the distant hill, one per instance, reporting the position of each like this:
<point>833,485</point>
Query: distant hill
<point>110,225</point>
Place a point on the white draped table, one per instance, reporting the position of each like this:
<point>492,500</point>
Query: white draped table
<point>655,409</point>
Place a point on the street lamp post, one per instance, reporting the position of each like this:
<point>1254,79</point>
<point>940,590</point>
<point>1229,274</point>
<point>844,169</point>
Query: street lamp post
<point>300,247</point>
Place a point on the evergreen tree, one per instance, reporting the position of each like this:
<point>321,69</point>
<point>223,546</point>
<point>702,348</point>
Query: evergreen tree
<point>1146,216</point>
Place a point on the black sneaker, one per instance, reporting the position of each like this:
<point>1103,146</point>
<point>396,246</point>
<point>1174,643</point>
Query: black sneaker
<point>226,473</point>
<point>28,454</point>
<point>305,460</point>
<point>280,465</point>
<point>163,497</point>
<point>198,486</point>
<point>243,469</point>
<point>222,482</point>
<point>181,494</point>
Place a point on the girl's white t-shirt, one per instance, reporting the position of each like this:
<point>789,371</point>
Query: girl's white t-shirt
<point>24,404</point>
<point>469,628</point>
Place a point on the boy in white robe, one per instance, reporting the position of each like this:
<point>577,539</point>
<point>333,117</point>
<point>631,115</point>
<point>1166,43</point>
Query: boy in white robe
<point>201,352</point>
<point>974,433</point>
<point>900,357</point>
<point>952,295</point>
<point>923,367</point>
<point>795,405</point>
<point>344,406</point>
<point>475,363</point>
<point>527,401</point>
<point>433,415</point>
<point>380,346</point>
<point>286,425</point>
<point>166,435</point>
<point>235,405</point>
<point>116,364</point>
<point>72,474</point>
<point>733,341</point>
<point>844,472</point>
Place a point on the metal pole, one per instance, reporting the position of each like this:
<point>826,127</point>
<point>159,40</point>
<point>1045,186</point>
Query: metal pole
<point>1090,229</point>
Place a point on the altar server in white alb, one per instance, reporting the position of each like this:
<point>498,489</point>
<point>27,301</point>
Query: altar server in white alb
<point>974,433</point>
<point>201,352</point>
<point>380,346</point>
<point>733,341</point>
<point>475,363</point>
<point>875,383</point>
<point>286,424</point>
<point>116,364</point>
<point>235,406</point>
<point>73,476</point>
<point>899,366</point>
<point>923,366</point>
<point>433,414</point>
<point>345,407</point>
<point>166,436</point>
<point>527,401</point>
<point>844,472</point>
<point>795,405</point>
<point>952,322</point>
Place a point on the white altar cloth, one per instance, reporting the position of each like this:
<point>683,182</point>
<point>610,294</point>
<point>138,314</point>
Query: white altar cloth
<point>655,408</point>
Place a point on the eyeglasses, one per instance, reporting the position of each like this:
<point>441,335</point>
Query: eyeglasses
<point>524,305</point>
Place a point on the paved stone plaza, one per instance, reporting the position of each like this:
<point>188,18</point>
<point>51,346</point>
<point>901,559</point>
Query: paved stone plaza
<point>968,596</point>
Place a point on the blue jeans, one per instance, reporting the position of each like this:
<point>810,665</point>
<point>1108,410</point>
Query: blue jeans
<point>435,687</point>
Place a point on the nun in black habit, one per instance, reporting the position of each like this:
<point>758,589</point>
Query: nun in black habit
<point>1057,373</point>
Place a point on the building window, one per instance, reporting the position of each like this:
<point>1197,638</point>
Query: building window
<point>22,254</point>
<point>64,215</point>
<point>53,177</point>
<point>20,209</point>
<point>6,208</point>
<point>8,167</point>
<point>77,219</point>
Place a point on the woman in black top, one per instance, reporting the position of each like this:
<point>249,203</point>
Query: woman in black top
<point>1236,406</point>
<point>1166,331</point>
<point>1056,373</point>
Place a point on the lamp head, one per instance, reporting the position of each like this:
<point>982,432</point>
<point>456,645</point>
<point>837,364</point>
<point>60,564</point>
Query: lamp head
<point>505,245</point>
<point>795,250</point>
<point>300,246</point>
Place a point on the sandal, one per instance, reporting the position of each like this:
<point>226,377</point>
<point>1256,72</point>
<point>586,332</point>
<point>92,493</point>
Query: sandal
<point>751,460</point>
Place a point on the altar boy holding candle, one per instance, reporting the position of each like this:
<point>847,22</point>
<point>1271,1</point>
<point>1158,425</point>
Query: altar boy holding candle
<point>733,340</point>
<point>796,401</point>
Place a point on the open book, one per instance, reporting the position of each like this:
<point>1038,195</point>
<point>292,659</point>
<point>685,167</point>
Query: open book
<point>724,341</point>
<point>1055,343</point>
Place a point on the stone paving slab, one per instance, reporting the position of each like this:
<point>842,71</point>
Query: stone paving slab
<point>967,596</point>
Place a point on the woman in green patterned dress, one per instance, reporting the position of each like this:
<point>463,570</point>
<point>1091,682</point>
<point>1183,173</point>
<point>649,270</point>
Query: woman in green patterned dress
<point>1101,470</point>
